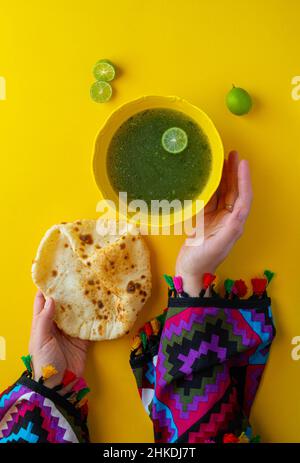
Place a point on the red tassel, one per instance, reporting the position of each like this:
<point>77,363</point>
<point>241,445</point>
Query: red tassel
<point>208,278</point>
<point>259,285</point>
<point>84,409</point>
<point>69,376</point>
<point>240,288</point>
<point>230,439</point>
<point>148,329</point>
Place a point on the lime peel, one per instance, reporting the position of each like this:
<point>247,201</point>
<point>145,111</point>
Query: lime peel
<point>238,101</point>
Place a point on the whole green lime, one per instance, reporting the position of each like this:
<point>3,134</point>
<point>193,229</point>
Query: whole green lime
<point>238,101</point>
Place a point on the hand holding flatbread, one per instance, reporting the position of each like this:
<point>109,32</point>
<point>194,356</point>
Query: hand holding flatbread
<point>99,282</point>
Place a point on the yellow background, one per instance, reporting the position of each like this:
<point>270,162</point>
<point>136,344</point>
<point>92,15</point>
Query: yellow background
<point>195,49</point>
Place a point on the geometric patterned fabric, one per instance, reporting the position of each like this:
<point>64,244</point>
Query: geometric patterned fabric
<point>30,412</point>
<point>198,376</point>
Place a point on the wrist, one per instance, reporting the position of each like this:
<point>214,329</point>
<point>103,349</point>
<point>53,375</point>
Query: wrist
<point>193,282</point>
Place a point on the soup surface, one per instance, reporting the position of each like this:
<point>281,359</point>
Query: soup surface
<point>138,164</point>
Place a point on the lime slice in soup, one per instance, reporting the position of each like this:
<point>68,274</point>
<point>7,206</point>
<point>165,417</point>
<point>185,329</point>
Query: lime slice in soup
<point>101,91</point>
<point>174,140</point>
<point>104,70</point>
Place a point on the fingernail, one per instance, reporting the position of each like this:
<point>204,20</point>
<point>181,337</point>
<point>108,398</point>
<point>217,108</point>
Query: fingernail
<point>47,304</point>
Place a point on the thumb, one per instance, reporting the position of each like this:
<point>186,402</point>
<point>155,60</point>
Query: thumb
<point>45,321</point>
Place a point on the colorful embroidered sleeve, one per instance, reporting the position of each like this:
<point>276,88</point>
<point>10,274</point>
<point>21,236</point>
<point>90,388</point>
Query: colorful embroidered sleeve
<point>198,367</point>
<point>31,412</point>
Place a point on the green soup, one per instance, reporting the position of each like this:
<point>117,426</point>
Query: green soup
<point>138,164</point>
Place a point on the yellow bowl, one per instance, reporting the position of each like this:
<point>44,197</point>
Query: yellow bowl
<point>124,112</point>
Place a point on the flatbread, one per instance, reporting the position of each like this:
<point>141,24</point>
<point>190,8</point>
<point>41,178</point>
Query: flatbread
<point>99,283</point>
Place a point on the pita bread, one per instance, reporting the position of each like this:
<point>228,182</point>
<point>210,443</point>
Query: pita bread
<point>99,283</point>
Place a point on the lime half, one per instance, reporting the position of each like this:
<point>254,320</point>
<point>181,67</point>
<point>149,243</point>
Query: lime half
<point>101,91</point>
<point>174,140</point>
<point>104,70</point>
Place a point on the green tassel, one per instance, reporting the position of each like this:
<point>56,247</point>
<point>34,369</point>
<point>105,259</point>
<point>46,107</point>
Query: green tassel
<point>269,275</point>
<point>228,285</point>
<point>143,337</point>
<point>83,392</point>
<point>169,281</point>
<point>162,318</point>
<point>255,440</point>
<point>27,362</point>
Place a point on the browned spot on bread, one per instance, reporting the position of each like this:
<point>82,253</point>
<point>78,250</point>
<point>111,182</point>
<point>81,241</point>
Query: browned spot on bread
<point>66,245</point>
<point>94,301</point>
<point>100,304</point>
<point>143,276</point>
<point>130,287</point>
<point>126,256</point>
<point>89,264</point>
<point>91,282</point>
<point>63,223</point>
<point>84,256</point>
<point>123,237</point>
<point>108,292</point>
<point>63,309</point>
<point>78,222</point>
<point>143,300</point>
<point>122,246</point>
<point>100,330</point>
<point>132,266</point>
<point>86,239</point>
<point>86,292</point>
<point>97,246</point>
<point>138,285</point>
<point>97,282</point>
<point>76,229</point>
<point>54,273</point>
<point>133,238</point>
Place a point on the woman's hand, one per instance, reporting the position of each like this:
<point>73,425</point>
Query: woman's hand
<point>49,345</point>
<point>224,219</point>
